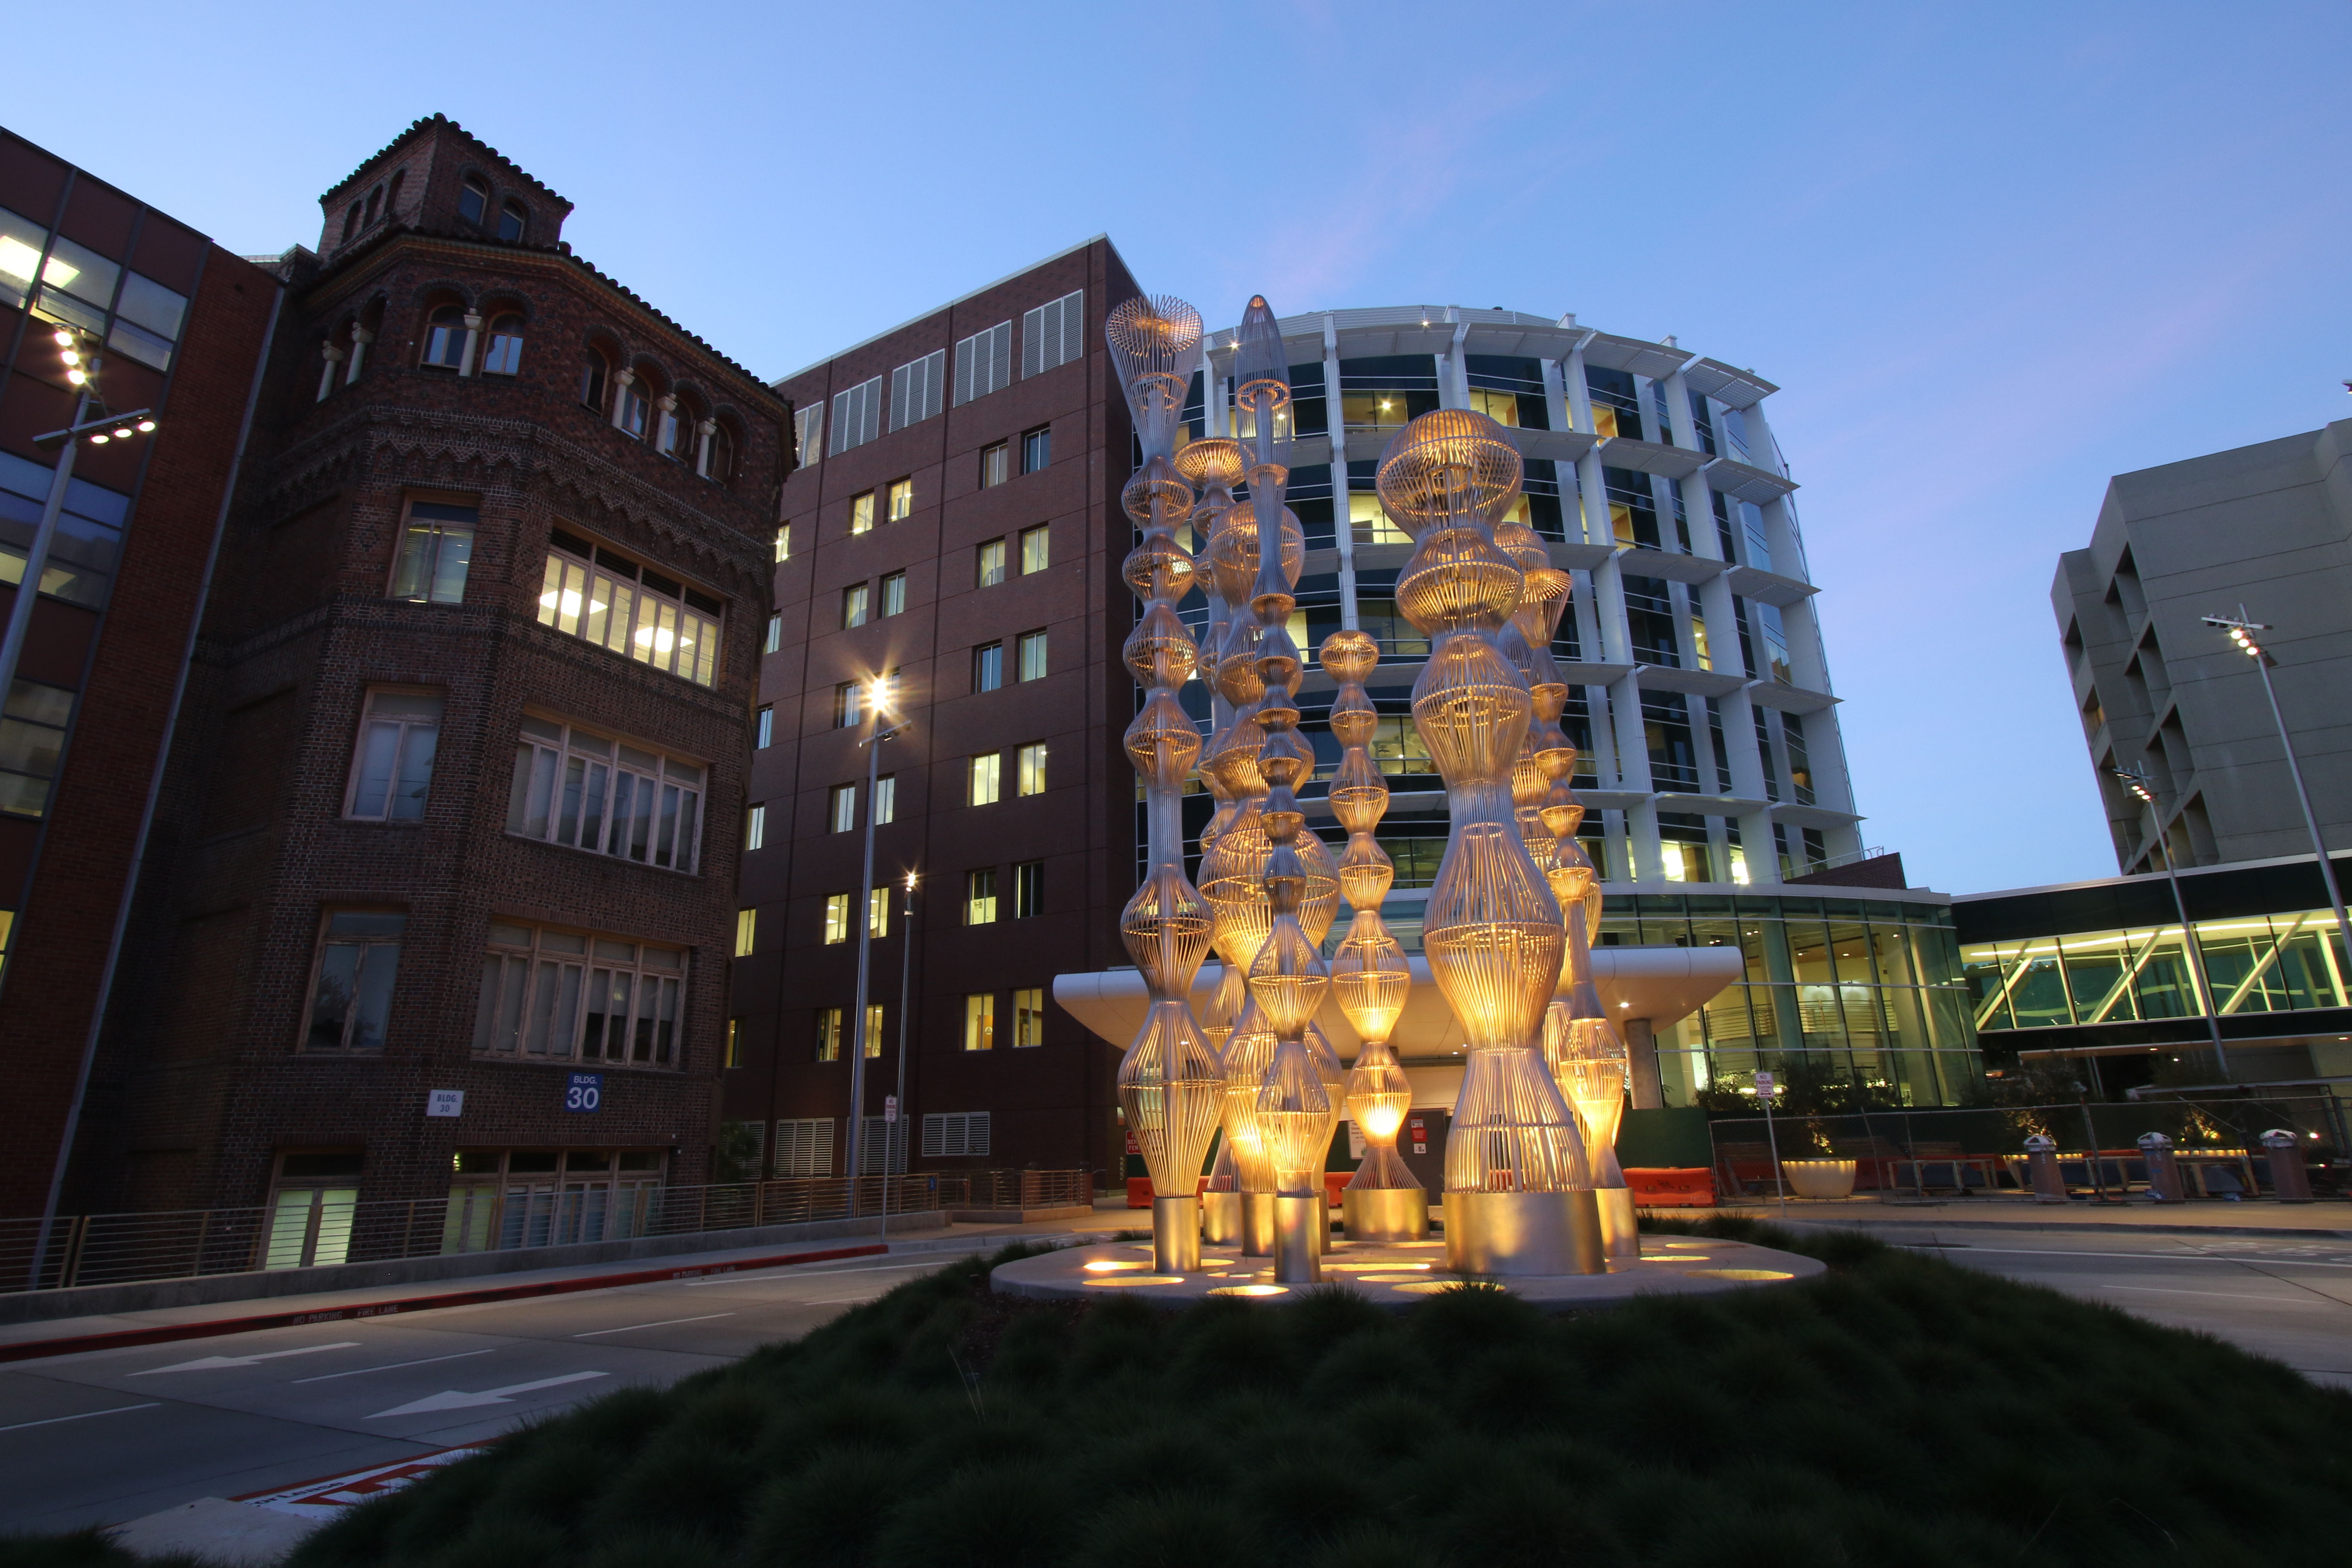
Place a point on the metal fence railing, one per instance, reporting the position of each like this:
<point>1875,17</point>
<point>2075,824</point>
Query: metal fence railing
<point>307,1228</point>
<point>1980,1150</point>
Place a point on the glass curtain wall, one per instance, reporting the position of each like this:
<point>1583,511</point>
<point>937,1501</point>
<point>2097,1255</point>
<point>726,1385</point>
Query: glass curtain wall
<point>2257,963</point>
<point>1863,994</point>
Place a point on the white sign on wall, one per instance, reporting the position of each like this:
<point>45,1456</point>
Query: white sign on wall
<point>445,1102</point>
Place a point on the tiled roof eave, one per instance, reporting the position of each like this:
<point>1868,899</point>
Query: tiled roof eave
<point>347,259</point>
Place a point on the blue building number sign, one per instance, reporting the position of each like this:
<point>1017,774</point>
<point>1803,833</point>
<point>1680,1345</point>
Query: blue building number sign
<point>586,1091</point>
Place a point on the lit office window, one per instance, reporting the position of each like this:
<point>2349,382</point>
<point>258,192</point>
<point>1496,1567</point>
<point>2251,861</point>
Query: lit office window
<point>1029,1017</point>
<point>987,779</point>
<point>1032,769</point>
<point>437,543</point>
<point>1035,552</point>
<point>980,1022</point>
<point>980,897</point>
<point>632,610</point>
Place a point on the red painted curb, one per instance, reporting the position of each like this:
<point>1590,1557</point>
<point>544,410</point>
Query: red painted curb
<point>30,1350</point>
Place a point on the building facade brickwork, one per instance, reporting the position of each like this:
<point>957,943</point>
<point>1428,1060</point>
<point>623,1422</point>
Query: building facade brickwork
<point>1045,446</point>
<point>108,641</point>
<point>452,421</point>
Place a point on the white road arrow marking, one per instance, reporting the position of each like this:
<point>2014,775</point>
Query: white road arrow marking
<point>211,1362</point>
<point>455,1399</point>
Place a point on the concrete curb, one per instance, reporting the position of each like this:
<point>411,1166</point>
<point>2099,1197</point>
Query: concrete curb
<point>163,1333</point>
<point>2127,1226</point>
<point>152,1295</point>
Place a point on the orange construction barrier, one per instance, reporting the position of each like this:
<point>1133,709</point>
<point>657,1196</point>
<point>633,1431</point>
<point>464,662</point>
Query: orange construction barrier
<point>1690,1186</point>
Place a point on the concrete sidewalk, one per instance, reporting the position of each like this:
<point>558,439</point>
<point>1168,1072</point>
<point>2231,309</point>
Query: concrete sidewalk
<point>2331,1217</point>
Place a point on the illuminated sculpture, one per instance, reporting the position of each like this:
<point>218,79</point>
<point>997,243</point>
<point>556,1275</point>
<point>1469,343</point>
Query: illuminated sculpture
<point>1170,1082</point>
<point>1214,467</point>
<point>1517,1198</point>
<point>1257,668</point>
<point>1383,1201</point>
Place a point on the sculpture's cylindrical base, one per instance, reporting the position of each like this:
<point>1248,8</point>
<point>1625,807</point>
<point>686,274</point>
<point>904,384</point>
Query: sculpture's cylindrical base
<point>1257,1225</point>
<point>1524,1233</point>
<point>1221,1218</point>
<point>1176,1236</point>
<point>1385,1214</point>
<point>1298,1258</point>
<point>1621,1233</point>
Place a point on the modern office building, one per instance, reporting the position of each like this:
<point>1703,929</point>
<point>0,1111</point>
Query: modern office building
<point>452,812</point>
<point>1701,702</point>
<point>2097,977</point>
<point>954,523</point>
<point>2268,527</point>
<point>172,323</point>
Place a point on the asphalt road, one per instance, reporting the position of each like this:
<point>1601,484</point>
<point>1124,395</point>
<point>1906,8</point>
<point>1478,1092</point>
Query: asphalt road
<point>111,1436</point>
<point>2289,1298</point>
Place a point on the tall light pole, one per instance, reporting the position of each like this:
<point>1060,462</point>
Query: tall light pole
<point>877,696</point>
<point>2136,781</point>
<point>81,370</point>
<point>905,980</point>
<point>2241,632</point>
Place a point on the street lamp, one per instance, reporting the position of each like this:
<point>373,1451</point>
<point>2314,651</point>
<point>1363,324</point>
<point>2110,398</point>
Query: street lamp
<point>2241,632</point>
<point>2137,780</point>
<point>81,366</point>
<point>897,1130</point>
<point>878,698</point>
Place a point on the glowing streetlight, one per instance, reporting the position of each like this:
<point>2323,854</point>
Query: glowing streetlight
<point>878,692</point>
<point>2137,780</point>
<point>2242,631</point>
<point>81,363</point>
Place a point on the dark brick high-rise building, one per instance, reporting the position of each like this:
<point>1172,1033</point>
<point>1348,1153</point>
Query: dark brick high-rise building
<point>954,522</point>
<point>456,800</point>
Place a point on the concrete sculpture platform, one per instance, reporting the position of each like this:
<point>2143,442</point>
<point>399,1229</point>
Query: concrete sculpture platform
<point>1397,1275</point>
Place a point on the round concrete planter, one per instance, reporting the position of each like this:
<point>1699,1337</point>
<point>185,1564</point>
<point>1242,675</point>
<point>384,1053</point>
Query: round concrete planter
<point>1819,1178</point>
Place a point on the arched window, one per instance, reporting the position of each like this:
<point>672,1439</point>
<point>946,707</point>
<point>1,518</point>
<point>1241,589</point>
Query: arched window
<point>392,197</point>
<point>473,200</point>
<point>676,439</point>
<point>592,371</point>
<point>722,455</point>
<point>511,219</point>
<point>444,337</point>
<point>504,356</point>
<point>350,222</point>
<point>631,416</point>
<point>374,201</point>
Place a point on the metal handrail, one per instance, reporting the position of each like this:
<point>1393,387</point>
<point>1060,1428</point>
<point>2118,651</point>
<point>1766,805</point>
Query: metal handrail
<point>324,1227</point>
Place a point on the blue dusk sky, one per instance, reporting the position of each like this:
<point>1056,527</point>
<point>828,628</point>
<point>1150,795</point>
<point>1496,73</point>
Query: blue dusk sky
<point>1994,253</point>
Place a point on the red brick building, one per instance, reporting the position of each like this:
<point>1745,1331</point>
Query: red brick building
<point>954,520</point>
<point>456,804</point>
<point>179,326</point>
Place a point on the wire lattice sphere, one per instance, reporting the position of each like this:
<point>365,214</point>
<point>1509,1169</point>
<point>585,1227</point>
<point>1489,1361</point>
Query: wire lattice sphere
<point>1448,463</point>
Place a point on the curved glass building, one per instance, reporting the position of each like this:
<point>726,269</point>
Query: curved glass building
<point>1709,757</point>
<point>1701,703</point>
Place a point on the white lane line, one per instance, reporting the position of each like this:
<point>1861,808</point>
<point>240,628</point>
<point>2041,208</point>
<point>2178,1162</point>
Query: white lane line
<point>769,1278</point>
<point>2221,1296</point>
<point>214,1362</point>
<point>2158,1257</point>
<point>20,1427</point>
<point>665,1322</point>
<point>459,1399</point>
<point>390,1365</point>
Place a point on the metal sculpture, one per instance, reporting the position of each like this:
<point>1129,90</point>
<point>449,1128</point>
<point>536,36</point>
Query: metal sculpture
<point>1170,1082</point>
<point>1383,1201</point>
<point>1517,1198</point>
<point>1257,666</point>
<point>1213,466</point>
<point>1297,1103</point>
